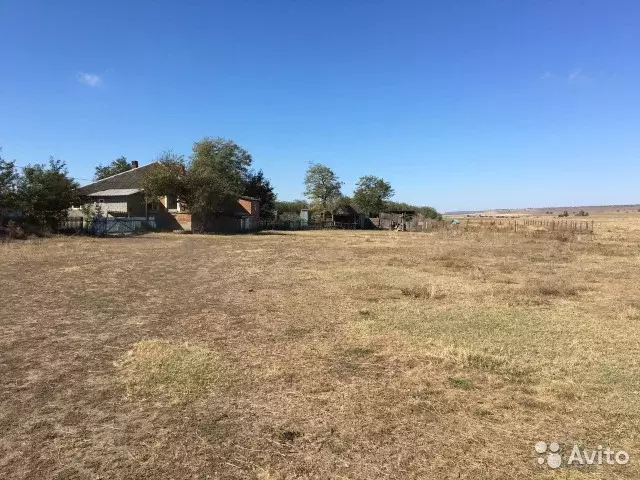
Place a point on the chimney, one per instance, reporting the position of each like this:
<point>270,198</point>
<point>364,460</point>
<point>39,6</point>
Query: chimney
<point>134,163</point>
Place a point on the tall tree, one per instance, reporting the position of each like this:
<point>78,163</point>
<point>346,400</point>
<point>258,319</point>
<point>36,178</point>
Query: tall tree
<point>259,187</point>
<point>215,176</point>
<point>8,179</point>
<point>322,186</point>
<point>371,193</point>
<point>168,176</point>
<point>46,192</point>
<point>119,165</point>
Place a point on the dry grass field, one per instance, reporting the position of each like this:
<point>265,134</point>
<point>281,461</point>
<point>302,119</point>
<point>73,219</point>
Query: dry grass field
<point>319,355</point>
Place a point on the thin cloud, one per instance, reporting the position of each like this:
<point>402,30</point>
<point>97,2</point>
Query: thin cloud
<point>575,75</point>
<point>90,79</point>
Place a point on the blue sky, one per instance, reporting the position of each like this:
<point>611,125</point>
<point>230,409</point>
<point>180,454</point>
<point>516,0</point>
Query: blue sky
<point>459,104</point>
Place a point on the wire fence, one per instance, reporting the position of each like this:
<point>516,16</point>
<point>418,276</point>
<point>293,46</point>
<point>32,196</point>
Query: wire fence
<point>504,225</point>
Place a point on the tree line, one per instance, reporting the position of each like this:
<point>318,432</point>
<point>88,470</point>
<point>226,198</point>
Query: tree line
<point>216,172</point>
<point>372,195</point>
<point>41,194</point>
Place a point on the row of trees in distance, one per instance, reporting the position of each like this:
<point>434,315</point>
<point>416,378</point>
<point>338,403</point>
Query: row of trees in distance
<point>371,196</point>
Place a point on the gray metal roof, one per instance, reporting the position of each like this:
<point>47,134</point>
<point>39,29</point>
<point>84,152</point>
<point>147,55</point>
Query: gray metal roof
<point>115,192</point>
<point>125,180</point>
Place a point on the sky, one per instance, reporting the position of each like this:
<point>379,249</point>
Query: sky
<point>461,105</point>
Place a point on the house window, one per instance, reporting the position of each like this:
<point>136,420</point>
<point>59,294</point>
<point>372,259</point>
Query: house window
<point>152,207</point>
<point>171,202</point>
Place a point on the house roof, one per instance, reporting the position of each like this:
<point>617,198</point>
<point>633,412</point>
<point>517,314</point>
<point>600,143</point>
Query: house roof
<point>345,210</point>
<point>131,179</point>
<point>115,192</point>
<point>125,181</point>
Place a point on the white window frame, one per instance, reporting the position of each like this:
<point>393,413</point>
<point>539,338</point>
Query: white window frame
<point>166,204</point>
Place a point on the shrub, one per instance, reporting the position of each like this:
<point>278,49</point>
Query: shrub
<point>15,231</point>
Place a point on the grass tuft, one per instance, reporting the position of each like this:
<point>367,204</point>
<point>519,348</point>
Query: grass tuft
<point>360,352</point>
<point>553,288</point>
<point>462,383</point>
<point>422,292</point>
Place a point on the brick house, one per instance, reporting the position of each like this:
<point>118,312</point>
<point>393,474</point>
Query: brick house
<point>121,195</point>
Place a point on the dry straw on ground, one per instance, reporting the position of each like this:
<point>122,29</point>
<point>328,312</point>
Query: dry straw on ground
<point>318,355</point>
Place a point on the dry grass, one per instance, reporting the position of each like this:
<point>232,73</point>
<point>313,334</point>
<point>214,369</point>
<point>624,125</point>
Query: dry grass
<point>318,354</point>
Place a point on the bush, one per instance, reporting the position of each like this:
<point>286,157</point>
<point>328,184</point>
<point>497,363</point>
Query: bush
<point>15,231</point>
<point>564,214</point>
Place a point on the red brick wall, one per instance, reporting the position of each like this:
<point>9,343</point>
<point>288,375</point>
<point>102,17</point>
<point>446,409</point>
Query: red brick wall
<point>184,219</point>
<point>252,207</point>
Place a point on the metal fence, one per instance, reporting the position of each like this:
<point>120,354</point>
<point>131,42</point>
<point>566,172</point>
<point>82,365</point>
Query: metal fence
<point>107,225</point>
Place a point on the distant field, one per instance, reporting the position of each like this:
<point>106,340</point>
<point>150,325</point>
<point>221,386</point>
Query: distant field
<point>598,209</point>
<point>319,355</point>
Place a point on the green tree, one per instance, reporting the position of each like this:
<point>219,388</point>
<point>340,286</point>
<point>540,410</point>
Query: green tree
<point>322,186</point>
<point>8,179</point>
<point>119,165</point>
<point>428,212</point>
<point>168,176</point>
<point>45,193</point>
<point>215,176</point>
<point>371,193</point>
<point>259,187</point>
<point>293,206</point>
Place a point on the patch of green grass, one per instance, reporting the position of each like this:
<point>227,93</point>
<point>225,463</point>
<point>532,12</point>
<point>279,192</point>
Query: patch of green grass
<point>360,352</point>
<point>176,372</point>
<point>461,383</point>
